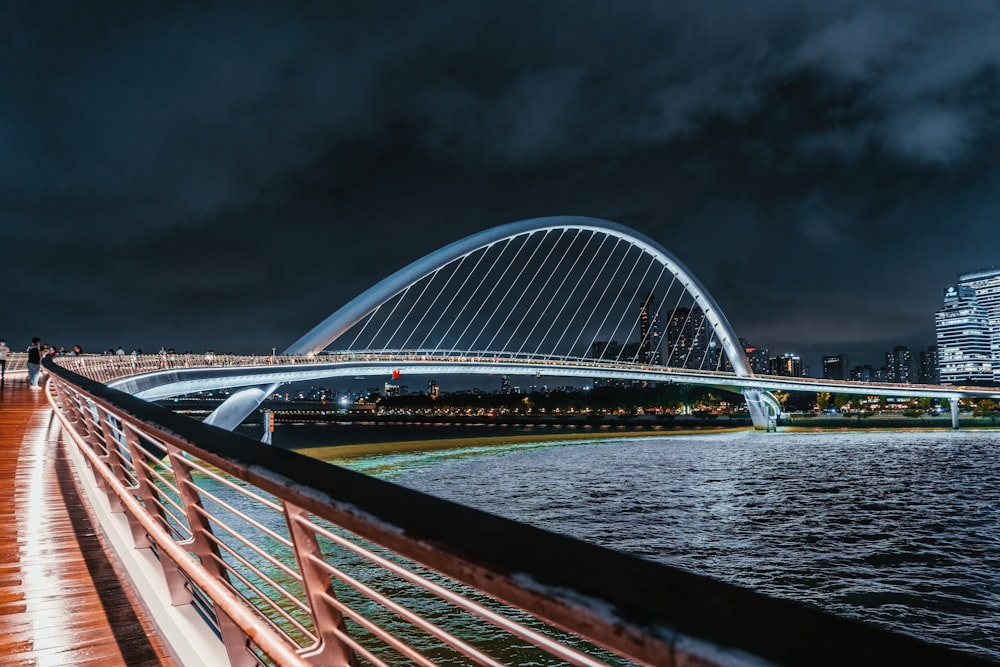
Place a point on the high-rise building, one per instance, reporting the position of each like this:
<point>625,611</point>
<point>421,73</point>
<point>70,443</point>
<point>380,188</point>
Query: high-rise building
<point>928,373</point>
<point>787,365</point>
<point>649,331</point>
<point>986,282</point>
<point>866,373</point>
<point>606,349</point>
<point>963,338</point>
<point>899,366</point>
<point>759,357</point>
<point>688,336</point>
<point>836,367</point>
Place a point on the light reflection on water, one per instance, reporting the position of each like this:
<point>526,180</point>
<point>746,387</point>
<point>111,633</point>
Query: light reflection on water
<point>896,528</point>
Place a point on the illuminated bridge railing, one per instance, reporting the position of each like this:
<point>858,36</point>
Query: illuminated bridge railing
<point>294,562</point>
<point>105,368</point>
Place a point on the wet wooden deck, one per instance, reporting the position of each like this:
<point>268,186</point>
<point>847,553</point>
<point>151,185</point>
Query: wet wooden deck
<point>61,601</point>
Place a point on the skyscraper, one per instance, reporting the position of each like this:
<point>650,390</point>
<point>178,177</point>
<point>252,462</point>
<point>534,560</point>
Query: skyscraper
<point>986,282</point>
<point>759,357</point>
<point>899,365</point>
<point>963,338</point>
<point>687,341</point>
<point>928,373</point>
<point>787,365</point>
<point>649,331</point>
<point>836,367</point>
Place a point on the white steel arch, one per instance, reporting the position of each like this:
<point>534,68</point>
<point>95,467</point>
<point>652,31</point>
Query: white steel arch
<point>358,308</point>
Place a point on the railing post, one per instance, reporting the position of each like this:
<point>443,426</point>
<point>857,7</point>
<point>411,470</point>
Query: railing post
<point>139,537</point>
<point>82,417</point>
<point>330,650</point>
<point>97,438</point>
<point>175,581</point>
<point>207,552</point>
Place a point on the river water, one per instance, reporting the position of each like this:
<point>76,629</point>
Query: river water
<point>900,529</point>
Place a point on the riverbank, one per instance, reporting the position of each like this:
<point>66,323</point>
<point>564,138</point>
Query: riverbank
<point>837,423</point>
<point>349,441</point>
<point>327,440</point>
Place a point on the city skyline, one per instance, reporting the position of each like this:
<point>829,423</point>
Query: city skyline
<point>224,175</point>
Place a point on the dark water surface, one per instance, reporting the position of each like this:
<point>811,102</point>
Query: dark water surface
<point>900,529</point>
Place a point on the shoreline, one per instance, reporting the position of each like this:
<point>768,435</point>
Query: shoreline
<point>361,449</point>
<point>357,441</point>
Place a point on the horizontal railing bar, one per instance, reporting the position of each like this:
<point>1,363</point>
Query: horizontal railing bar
<point>408,615</point>
<point>243,516</point>
<point>351,643</point>
<point>245,542</point>
<point>277,608</point>
<point>492,617</point>
<point>242,490</point>
<point>174,524</point>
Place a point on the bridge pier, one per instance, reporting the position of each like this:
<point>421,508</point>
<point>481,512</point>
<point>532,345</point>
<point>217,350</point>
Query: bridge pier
<point>238,406</point>
<point>268,420</point>
<point>763,409</point>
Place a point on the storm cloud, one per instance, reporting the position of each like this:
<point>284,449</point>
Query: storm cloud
<point>225,174</point>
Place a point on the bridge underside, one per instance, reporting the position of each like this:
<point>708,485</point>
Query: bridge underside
<point>257,382</point>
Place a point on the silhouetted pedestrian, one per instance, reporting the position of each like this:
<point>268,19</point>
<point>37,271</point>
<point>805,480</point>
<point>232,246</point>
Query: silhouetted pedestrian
<point>34,363</point>
<point>4,351</point>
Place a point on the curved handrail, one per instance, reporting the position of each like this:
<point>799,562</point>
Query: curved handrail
<point>151,458</point>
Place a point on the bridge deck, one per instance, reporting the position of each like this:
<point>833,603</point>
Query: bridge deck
<point>61,602</point>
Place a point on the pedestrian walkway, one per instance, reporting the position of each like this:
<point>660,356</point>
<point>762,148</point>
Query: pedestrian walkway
<point>61,602</point>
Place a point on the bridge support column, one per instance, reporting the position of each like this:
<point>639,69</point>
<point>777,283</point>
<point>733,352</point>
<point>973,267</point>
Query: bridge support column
<point>268,427</point>
<point>763,409</point>
<point>238,406</point>
<point>954,411</point>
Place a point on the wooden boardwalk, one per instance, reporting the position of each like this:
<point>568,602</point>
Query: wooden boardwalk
<point>61,601</point>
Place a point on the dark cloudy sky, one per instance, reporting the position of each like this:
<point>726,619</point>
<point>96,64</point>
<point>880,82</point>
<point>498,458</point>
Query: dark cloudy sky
<point>226,174</point>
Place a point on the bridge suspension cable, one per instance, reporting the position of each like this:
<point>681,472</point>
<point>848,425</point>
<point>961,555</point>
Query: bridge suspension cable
<point>552,288</point>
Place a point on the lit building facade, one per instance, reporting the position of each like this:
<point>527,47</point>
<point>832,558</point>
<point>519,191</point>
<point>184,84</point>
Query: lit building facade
<point>899,367</point>
<point>928,372</point>
<point>688,337</point>
<point>866,373</point>
<point>963,338</point>
<point>649,331</point>
<point>836,367</point>
<point>986,283</point>
<point>788,365</point>
<point>759,357</point>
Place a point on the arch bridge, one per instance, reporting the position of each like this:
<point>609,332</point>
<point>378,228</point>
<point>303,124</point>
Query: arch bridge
<point>563,296</point>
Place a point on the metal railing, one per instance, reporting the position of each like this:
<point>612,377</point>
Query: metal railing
<point>17,364</point>
<point>106,368</point>
<point>295,562</point>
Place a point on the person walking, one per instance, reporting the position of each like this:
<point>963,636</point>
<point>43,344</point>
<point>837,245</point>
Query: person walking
<point>4,351</point>
<point>34,362</point>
